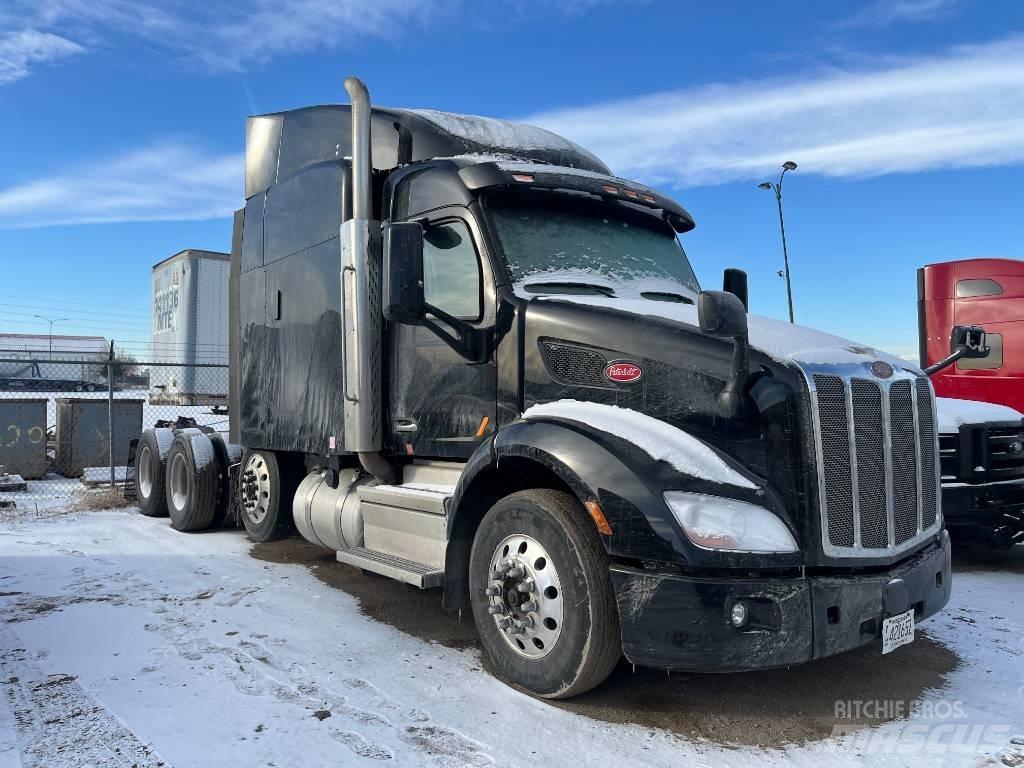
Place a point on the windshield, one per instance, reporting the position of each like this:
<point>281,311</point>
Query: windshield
<point>586,249</point>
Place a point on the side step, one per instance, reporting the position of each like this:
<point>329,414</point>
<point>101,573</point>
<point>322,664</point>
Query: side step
<point>398,568</point>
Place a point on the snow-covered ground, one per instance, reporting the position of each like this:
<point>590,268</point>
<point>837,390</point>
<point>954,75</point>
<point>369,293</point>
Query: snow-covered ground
<point>126,643</point>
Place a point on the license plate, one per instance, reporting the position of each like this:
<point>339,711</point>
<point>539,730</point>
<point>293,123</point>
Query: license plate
<point>897,630</point>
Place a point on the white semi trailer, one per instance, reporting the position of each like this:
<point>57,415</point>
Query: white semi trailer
<point>190,329</point>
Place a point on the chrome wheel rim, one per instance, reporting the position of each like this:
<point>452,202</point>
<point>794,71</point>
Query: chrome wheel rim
<point>179,482</point>
<point>524,596</point>
<point>256,489</point>
<point>145,472</point>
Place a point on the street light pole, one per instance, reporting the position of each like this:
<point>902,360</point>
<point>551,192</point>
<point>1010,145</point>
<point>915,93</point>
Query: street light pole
<point>51,322</point>
<point>789,165</point>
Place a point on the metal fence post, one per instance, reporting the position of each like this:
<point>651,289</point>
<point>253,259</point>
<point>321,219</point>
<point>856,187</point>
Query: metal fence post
<point>110,413</point>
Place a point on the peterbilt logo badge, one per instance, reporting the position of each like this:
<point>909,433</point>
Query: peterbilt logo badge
<point>881,369</point>
<point>623,372</point>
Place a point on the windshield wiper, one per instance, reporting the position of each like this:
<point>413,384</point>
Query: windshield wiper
<point>570,287</point>
<point>678,298</point>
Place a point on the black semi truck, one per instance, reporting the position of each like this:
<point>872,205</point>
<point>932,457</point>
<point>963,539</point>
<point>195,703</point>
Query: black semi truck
<point>467,356</point>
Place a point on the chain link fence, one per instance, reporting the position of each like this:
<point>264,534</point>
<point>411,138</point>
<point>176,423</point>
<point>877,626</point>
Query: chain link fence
<point>68,424</point>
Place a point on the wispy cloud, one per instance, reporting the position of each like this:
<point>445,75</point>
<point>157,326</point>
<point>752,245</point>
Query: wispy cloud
<point>20,51</point>
<point>881,13</point>
<point>225,35</point>
<point>166,181</point>
<point>961,109</point>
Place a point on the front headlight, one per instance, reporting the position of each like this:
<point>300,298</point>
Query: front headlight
<point>728,525</point>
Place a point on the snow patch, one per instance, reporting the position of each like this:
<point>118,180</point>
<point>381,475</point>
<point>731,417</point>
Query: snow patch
<point>779,340</point>
<point>953,413</point>
<point>164,438</point>
<point>659,440</point>
<point>489,132</point>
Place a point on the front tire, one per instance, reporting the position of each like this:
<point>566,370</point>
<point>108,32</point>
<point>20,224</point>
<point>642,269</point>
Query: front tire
<point>267,489</point>
<point>542,597</point>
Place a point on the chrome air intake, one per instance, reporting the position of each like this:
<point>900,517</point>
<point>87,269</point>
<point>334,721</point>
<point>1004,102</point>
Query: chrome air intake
<point>876,447</point>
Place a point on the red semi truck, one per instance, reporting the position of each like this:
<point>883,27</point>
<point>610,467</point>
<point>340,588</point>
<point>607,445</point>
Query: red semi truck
<point>983,292</point>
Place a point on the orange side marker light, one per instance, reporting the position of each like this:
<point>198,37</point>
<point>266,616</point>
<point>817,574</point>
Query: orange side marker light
<point>483,427</point>
<point>599,519</point>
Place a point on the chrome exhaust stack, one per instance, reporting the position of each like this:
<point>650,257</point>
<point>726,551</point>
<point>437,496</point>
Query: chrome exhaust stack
<point>361,320</point>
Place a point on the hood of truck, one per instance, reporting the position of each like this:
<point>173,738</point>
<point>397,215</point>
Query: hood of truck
<point>781,341</point>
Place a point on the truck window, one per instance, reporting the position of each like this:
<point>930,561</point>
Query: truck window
<point>968,289</point>
<point>451,270</point>
<point>994,359</point>
<point>600,245</point>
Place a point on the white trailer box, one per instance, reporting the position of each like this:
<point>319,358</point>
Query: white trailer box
<point>190,328</point>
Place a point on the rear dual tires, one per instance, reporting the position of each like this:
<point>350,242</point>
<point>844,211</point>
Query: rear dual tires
<point>567,638</point>
<point>151,470</point>
<point>266,489</point>
<point>194,485</point>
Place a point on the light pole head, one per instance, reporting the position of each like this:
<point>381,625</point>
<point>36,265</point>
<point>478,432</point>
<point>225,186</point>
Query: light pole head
<point>789,165</point>
<point>765,185</point>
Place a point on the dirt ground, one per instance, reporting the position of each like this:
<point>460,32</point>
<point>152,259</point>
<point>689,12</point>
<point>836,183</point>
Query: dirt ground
<point>758,708</point>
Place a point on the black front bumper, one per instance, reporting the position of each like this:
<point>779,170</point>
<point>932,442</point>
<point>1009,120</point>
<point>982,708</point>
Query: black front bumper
<point>682,622</point>
<point>982,505</point>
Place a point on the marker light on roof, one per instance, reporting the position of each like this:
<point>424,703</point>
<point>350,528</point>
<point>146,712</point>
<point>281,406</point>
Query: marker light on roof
<point>631,193</point>
<point>522,176</point>
<point>609,188</point>
<point>648,198</point>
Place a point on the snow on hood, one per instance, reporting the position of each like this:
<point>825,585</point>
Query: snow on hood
<point>954,413</point>
<point>779,340</point>
<point>658,439</point>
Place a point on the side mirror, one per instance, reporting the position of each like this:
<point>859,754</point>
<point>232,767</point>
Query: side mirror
<point>965,341</point>
<point>734,281</point>
<point>723,314</point>
<point>403,273</point>
<point>970,339</point>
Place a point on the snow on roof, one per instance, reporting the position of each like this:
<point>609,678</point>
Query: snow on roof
<point>954,413</point>
<point>19,342</point>
<point>658,439</point>
<point>489,132</point>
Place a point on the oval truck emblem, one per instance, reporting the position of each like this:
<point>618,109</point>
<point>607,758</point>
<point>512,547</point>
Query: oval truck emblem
<point>622,372</point>
<point>881,369</point>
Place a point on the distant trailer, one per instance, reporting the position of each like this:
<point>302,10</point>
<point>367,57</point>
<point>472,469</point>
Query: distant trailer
<point>190,329</point>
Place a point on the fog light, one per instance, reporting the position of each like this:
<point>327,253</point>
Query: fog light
<point>738,614</point>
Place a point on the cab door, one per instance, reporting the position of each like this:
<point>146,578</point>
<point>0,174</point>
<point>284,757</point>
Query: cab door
<point>442,406</point>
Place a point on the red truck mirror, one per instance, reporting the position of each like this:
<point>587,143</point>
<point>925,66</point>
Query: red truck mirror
<point>966,341</point>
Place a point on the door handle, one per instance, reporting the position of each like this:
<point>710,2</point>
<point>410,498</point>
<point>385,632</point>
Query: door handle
<point>406,425</point>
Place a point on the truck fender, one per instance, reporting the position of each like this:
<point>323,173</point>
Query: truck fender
<point>592,465</point>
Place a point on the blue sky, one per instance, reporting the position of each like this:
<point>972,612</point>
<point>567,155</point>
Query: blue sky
<point>123,126</point>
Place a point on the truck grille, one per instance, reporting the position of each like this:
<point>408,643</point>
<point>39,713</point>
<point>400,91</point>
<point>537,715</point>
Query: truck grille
<point>982,453</point>
<point>876,449</point>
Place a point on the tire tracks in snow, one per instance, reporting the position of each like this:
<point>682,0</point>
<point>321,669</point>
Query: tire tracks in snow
<point>362,719</point>
<point>59,723</point>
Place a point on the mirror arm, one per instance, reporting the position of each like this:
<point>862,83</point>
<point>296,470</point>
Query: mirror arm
<point>732,398</point>
<point>466,341</point>
<point>945,363</point>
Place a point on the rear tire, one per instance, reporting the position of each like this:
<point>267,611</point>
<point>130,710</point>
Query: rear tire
<point>193,482</point>
<point>569,642</point>
<point>150,470</point>
<point>267,489</point>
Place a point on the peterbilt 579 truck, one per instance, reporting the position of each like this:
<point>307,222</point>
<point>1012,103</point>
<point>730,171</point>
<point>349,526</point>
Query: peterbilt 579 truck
<point>467,356</point>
